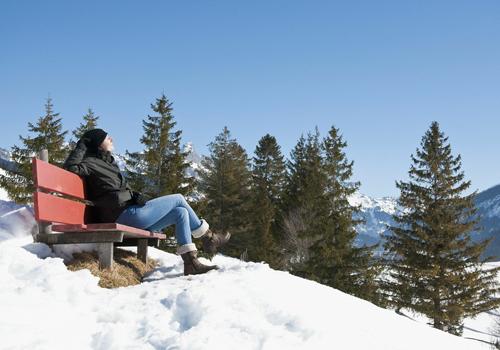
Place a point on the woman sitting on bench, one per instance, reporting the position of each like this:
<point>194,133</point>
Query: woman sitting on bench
<point>115,202</point>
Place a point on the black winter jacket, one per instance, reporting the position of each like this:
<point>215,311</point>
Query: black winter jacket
<point>105,186</point>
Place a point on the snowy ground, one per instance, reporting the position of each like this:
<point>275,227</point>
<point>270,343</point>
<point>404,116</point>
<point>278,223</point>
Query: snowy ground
<point>3,194</point>
<point>485,326</point>
<point>241,306</point>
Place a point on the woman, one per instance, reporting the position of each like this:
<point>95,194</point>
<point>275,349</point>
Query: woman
<point>115,202</point>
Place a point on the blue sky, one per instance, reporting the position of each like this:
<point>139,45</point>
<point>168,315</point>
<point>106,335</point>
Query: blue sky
<point>381,71</point>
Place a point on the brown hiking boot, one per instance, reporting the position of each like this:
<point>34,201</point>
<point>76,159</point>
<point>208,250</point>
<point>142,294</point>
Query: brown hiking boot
<point>211,241</point>
<point>192,266</point>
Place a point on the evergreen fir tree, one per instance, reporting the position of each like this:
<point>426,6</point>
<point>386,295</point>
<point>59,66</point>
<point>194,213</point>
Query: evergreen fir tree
<point>334,258</point>
<point>225,183</point>
<point>47,134</point>
<point>89,122</point>
<point>305,179</point>
<point>268,179</point>
<point>160,168</point>
<point>434,266</point>
<point>304,203</point>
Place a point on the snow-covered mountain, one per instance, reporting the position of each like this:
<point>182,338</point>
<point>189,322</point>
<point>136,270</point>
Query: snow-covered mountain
<point>240,306</point>
<point>377,214</point>
<point>488,209</point>
<point>4,154</point>
<point>194,159</point>
<point>5,161</point>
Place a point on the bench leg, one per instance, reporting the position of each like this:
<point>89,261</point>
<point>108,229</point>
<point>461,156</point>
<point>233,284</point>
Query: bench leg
<point>105,251</point>
<point>142,250</point>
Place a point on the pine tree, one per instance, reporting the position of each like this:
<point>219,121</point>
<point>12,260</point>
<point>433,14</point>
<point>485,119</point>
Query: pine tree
<point>225,184</point>
<point>304,204</point>
<point>160,168</point>
<point>47,134</point>
<point>334,258</point>
<point>89,122</point>
<point>305,179</point>
<point>268,179</point>
<point>434,266</point>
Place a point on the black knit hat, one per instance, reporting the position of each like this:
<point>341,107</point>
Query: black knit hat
<point>95,138</point>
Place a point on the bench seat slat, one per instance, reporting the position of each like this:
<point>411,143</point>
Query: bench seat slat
<point>80,237</point>
<point>127,230</point>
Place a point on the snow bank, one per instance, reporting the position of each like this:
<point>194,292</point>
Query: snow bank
<point>15,221</point>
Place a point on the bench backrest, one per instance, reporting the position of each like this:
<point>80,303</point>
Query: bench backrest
<point>51,207</point>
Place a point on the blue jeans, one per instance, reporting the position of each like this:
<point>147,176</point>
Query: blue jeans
<point>161,212</point>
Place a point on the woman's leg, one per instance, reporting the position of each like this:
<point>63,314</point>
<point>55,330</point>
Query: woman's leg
<point>198,227</point>
<point>155,213</point>
<point>179,217</point>
<point>144,217</point>
<point>154,209</point>
<point>171,201</point>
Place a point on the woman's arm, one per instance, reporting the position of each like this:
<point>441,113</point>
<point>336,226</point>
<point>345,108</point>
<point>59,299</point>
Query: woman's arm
<point>74,161</point>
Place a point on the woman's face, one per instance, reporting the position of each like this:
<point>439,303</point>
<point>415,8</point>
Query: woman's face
<point>107,144</point>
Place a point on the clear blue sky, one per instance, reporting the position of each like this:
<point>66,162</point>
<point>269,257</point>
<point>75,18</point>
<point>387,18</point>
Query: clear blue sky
<point>381,71</point>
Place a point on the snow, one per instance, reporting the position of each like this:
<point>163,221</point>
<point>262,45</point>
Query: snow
<point>188,147</point>
<point>3,194</point>
<point>242,305</point>
<point>482,327</point>
<point>491,206</point>
<point>194,160</point>
<point>15,223</point>
<point>385,204</point>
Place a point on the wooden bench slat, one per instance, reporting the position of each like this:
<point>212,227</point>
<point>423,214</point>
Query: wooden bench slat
<point>129,231</point>
<point>51,208</point>
<point>149,235</point>
<point>133,242</point>
<point>52,178</point>
<point>69,227</point>
<point>80,237</point>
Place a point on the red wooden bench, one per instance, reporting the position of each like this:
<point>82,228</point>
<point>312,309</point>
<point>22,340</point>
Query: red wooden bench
<point>62,213</point>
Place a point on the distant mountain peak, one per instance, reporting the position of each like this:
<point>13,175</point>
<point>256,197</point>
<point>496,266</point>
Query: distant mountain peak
<point>386,204</point>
